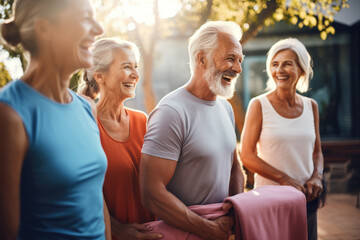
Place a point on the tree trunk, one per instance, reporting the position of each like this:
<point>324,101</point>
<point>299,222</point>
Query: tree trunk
<point>239,112</point>
<point>149,95</point>
<point>255,27</point>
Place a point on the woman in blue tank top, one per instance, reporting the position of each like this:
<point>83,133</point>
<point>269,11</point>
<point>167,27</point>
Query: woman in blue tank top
<point>52,165</point>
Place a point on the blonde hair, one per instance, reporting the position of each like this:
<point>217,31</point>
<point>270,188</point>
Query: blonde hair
<point>303,58</point>
<point>103,56</point>
<point>206,38</point>
<point>20,28</point>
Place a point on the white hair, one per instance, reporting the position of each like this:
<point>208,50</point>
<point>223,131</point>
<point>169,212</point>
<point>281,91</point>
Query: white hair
<point>205,38</point>
<point>303,58</point>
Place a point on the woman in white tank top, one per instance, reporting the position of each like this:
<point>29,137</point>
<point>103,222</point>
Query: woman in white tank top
<point>280,141</point>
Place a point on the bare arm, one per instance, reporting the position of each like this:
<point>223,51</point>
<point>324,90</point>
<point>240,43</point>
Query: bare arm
<point>314,184</point>
<point>249,138</point>
<point>237,177</point>
<point>13,147</point>
<point>107,222</point>
<point>155,174</point>
<point>132,231</point>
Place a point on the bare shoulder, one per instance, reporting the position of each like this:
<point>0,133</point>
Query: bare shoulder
<point>254,107</point>
<point>315,107</point>
<point>13,139</point>
<point>9,119</point>
<point>314,103</point>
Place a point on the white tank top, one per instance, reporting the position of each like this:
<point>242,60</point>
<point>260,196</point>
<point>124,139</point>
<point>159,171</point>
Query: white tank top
<point>287,143</point>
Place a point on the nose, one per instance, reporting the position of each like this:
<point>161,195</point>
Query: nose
<point>237,67</point>
<point>135,74</point>
<point>279,69</point>
<point>97,28</point>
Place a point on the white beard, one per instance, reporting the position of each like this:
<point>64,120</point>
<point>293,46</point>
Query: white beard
<point>213,77</point>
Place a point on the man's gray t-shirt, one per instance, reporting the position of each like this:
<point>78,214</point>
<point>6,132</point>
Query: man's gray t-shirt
<point>200,136</point>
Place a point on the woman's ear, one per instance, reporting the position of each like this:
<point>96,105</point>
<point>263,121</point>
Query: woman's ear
<point>42,29</point>
<point>99,77</point>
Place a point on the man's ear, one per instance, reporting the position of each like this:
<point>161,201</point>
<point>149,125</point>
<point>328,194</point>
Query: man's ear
<point>201,59</point>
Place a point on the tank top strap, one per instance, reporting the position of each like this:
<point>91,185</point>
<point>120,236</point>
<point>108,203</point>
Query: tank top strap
<point>265,103</point>
<point>266,107</point>
<point>307,108</point>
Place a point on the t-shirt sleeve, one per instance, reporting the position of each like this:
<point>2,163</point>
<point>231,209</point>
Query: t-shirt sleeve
<point>165,133</point>
<point>230,111</point>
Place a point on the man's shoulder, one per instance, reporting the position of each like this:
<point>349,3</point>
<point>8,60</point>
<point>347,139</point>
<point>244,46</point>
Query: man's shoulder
<point>176,100</point>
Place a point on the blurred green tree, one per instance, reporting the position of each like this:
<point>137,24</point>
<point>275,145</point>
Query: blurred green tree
<point>17,52</point>
<point>121,18</point>
<point>4,75</point>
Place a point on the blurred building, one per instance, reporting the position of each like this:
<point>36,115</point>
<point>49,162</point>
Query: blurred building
<point>335,85</point>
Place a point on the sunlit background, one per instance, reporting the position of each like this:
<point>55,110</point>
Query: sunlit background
<point>330,31</point>
<point>161,29</point>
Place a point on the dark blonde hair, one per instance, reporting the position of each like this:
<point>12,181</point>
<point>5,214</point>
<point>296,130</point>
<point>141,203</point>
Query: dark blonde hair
<point>19,29</point>
<point>103,55</point>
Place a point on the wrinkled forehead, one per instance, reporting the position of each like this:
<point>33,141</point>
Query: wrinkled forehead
<point>285,55</point>
<point>228,43</point>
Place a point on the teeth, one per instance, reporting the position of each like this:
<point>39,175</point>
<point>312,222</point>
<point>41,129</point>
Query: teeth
<point>226,77</point>
<point>129,84</point>
<point>282,78</point>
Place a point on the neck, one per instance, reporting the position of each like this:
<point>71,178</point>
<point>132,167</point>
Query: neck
<point>48,80</point>
<point>288,96</point>
<point>199,87</point>
<point>110,108</point>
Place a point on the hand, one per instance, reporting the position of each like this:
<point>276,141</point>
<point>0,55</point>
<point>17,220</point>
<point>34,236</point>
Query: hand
<point>222,228</point>
<point>227,206</point>
<point>133,231</point>
<point>313,188</point>
<point>286,180</point>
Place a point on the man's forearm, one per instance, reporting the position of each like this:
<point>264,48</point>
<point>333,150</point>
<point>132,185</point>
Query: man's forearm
<point>171,210</point>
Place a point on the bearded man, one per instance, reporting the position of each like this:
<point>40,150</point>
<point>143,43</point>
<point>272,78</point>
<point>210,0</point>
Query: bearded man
<point>189,153</point>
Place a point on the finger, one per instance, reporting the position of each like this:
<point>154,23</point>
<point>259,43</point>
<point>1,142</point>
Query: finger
<point>227,206</point>
<point>150,236</point>
<point>227,221</point>
<point>142,227</point>
<point>300,188</point>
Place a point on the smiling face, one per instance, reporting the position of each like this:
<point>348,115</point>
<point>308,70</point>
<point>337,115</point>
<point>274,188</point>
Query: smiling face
<point>224,66</point>
<point>285,69</point>
<point>72,35</point>
<point>121,78</point>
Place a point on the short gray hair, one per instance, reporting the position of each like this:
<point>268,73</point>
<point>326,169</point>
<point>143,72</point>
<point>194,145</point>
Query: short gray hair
<point>303,58</point>
<point>205,38</point>
<point>103,55</point>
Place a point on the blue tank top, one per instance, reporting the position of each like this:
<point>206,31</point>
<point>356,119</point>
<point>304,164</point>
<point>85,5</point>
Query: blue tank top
<point>64,167</point>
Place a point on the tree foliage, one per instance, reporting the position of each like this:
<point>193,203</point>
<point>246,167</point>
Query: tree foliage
<point>117,20</point>
<point>4,75</point>
<point>254,14</point>
<point>18,52</point>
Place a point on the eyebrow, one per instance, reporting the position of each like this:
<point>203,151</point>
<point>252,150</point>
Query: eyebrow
<point>236,56</point>
<point>290,61</point>
<point>125,63</point>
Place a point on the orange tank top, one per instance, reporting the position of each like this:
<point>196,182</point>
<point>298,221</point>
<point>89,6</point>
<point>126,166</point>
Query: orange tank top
<point>121,185</point>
